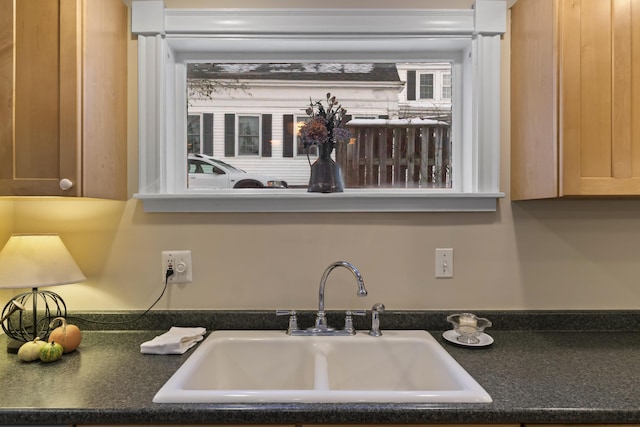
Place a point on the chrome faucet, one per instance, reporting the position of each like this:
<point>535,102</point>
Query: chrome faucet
<point>321,327</point>
<point>321,321</point>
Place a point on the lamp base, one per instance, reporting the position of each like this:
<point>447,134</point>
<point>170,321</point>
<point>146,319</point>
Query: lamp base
<point>13,345</point>
<point>36,310</point>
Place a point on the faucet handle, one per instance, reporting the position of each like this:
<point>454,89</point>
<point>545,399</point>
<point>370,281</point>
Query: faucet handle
<point>348,320</point>
<point>293,319</point>
<point>356,312</point>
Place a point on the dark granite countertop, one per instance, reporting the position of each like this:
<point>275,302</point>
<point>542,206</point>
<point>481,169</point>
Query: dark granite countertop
<point>539,375</point>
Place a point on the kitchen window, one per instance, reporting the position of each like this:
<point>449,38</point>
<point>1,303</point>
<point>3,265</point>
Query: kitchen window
<point>169,39</point>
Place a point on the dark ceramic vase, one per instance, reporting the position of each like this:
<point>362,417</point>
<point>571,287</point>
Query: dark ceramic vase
<point>326,174</point>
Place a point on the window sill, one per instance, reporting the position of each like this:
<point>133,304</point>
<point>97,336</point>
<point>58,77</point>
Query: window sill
<point>267,200</point>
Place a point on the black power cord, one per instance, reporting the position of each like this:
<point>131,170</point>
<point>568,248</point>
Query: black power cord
<point>168,274</point>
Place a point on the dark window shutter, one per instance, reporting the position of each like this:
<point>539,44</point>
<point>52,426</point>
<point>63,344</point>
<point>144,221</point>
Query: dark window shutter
<point>287,148</point>
<point>229,135</point>
<point>207,134</point>
<point>266,135</point>
<point>411,85</point>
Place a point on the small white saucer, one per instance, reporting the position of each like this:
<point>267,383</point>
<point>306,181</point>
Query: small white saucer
<point>452,336</point>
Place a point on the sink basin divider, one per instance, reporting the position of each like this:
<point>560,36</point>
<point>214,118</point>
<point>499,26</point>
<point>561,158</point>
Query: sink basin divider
<point>321,371</point>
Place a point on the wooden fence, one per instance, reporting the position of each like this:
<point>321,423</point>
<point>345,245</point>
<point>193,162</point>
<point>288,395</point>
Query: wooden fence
<point>397,153</point>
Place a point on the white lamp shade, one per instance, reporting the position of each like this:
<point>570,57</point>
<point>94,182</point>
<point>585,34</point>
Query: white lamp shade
<point>35,260</point>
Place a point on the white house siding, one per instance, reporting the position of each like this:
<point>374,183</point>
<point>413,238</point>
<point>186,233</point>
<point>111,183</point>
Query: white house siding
<point>294,170</point>
<point>361,99</point>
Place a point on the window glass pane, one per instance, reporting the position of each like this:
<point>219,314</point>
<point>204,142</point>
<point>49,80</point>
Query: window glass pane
<point>312,150</point>
<point>426,86</point>
<point>248,136</point>
<point>193,133</point>
<point>446,86</point>
<point>258,109</point>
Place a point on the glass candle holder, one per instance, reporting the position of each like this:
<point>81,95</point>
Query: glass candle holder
<point>468,326</point>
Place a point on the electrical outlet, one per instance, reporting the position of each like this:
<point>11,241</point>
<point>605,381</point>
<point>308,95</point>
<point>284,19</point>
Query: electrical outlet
<point>444,262</point>
<point>180,262</point>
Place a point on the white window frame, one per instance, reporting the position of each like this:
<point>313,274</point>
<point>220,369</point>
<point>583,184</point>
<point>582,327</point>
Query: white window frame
<point>169,38</point>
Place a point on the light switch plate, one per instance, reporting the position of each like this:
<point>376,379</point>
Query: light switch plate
<point>444,262</point>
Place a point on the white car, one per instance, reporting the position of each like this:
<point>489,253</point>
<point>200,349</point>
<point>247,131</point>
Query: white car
<point>207,172</point>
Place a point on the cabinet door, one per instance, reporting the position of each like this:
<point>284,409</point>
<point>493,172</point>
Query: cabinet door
<point>534,105</point>
<point>599,76</point>
<point>38,117</point>
<point>63,97</point>
<point>104,98</point>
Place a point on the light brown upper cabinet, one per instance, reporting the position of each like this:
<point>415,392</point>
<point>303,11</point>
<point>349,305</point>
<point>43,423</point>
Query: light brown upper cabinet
<point>63,104</point>
<point>575,98</point>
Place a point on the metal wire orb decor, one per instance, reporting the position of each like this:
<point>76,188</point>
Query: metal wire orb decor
<point>41,307</point>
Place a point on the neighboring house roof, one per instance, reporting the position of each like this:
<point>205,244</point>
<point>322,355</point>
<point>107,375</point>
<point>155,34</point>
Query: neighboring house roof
<point>370,72</point>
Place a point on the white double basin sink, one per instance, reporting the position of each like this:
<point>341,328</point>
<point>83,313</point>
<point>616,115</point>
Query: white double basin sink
<point>270,366</point>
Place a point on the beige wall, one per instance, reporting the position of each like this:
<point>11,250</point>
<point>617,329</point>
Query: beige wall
<point>559,254</point>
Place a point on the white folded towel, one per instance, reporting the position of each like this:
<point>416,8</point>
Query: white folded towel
<point>175,341</point>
